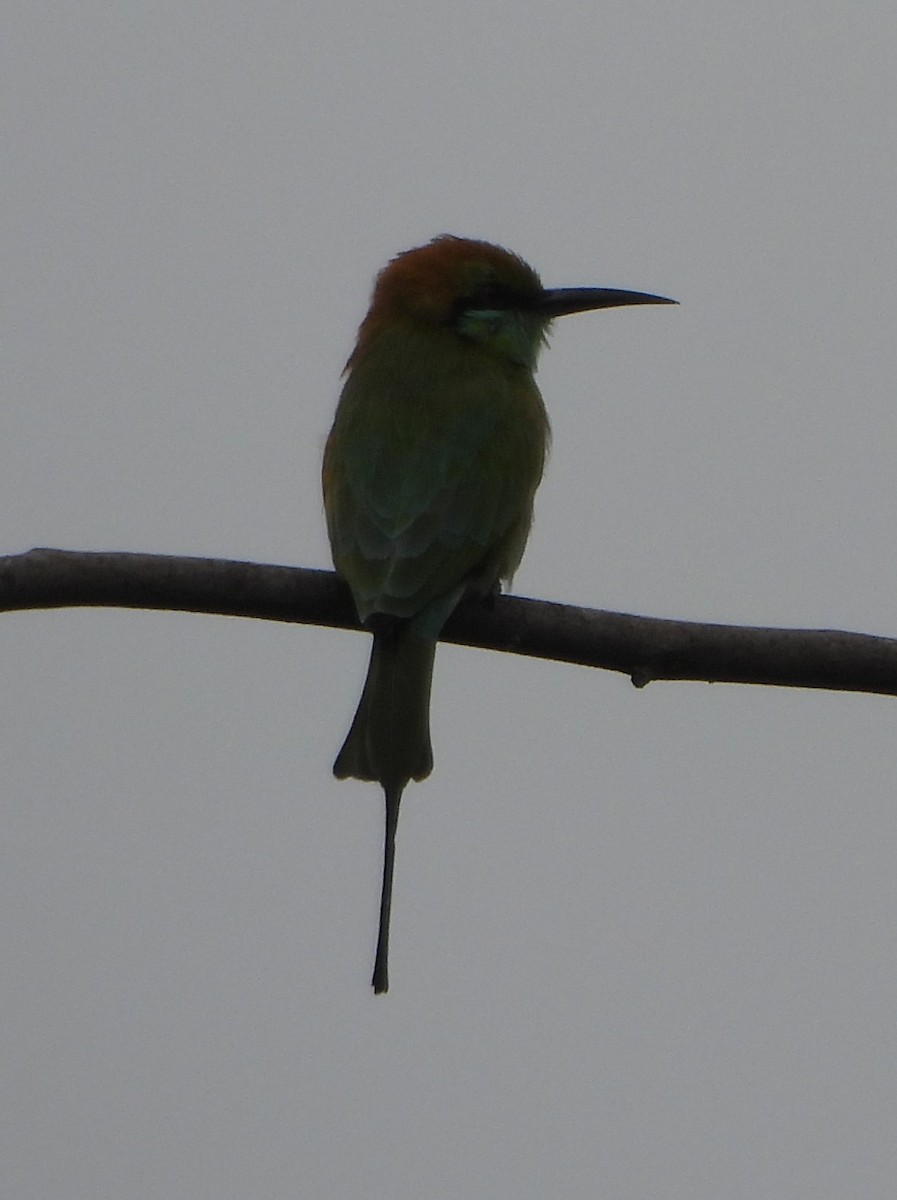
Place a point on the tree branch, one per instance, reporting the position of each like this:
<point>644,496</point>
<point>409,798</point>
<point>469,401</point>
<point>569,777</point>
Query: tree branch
<point>645,648</point>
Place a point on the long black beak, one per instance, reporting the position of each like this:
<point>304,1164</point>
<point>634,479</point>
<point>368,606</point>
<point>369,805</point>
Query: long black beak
<point>557,302</point>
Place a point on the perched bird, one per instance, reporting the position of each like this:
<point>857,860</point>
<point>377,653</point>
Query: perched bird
<point>436,451</point>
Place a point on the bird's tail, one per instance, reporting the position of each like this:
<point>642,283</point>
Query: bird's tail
<point>389,742</point>
<point>380,979</point>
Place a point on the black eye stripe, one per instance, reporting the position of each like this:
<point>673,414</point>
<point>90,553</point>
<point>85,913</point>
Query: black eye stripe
<point>492,296</point>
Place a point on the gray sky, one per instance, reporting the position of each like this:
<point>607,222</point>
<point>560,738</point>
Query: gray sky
<point>643,941</point>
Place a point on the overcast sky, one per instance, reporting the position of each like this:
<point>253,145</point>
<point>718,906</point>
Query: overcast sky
<point>643,941</point>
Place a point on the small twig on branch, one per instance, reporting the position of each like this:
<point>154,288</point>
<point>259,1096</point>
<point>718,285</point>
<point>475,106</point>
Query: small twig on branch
<point>645,648</point>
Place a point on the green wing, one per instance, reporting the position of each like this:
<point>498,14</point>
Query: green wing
<point>430,471</point>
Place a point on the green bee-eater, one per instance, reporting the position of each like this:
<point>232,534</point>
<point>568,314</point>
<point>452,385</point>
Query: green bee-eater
<point>430,470</point>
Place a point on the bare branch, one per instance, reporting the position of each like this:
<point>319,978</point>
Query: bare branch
<point>645,648</point>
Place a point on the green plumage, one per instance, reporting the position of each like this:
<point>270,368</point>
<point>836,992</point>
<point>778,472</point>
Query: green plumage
<point>435,454</point>
<point>430,470</point>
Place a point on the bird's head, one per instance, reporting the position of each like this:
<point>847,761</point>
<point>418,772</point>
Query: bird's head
<point>480,292</point>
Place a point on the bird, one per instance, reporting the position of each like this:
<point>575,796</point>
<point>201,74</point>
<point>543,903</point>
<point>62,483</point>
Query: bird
<point>430,469</point>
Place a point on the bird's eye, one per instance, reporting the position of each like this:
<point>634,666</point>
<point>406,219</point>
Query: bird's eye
<point>489,296</point>
<point>493,294</point>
